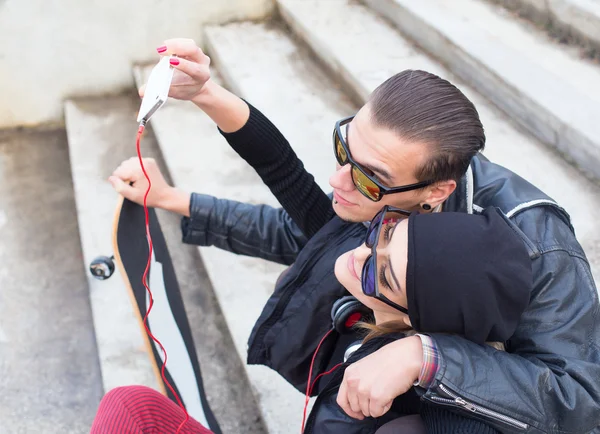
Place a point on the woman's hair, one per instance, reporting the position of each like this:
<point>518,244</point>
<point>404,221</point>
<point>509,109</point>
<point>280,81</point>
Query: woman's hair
<point>376,331</point>
<point>421,107</point>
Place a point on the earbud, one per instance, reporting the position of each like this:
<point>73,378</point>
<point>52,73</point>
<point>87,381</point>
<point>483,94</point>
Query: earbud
<point>426,206</point>
<point>346,312</point>
<point>102,267</point>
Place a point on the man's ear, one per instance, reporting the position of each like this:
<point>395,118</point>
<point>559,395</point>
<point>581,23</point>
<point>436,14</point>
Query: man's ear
<point>439,192</point>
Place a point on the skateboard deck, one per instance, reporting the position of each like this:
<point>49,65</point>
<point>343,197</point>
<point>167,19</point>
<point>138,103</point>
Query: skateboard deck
<point>168,320</point>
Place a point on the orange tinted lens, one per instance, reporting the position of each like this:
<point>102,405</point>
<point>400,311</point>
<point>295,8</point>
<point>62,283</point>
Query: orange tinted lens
<point>364,184</point>
<point>340,152</point>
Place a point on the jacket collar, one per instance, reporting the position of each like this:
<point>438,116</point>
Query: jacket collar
<point>461,200</point>
<point>487,184</point>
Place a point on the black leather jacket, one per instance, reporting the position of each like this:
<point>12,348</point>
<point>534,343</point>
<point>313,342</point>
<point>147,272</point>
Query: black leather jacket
<point>549,379</point>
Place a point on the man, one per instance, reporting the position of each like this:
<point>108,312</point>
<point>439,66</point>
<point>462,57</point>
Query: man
<point>409,146</point>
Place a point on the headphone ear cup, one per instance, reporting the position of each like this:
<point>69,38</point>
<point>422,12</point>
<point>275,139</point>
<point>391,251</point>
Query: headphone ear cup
<point>339,302</point>
<point>346,312</point>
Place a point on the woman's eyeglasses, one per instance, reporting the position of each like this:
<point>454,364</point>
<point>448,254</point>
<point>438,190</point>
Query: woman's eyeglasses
<point>370,276</point>
<point>364,182</point>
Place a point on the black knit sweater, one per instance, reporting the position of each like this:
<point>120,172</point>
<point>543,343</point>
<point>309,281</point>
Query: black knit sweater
<point>265,149</point>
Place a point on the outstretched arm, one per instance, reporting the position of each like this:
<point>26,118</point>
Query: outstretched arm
<point>253,230</point>
<point>253,137</point>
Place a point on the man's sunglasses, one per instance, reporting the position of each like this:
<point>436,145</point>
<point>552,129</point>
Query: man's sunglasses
<point>370,276</point>
<point>364,182</point>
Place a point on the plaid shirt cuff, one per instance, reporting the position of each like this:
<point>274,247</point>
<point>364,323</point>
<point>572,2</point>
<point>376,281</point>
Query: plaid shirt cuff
<point>430,362</point>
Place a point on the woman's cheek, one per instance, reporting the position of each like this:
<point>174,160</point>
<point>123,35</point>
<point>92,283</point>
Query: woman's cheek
<point>346,279</point>
<point>352,285</point>
<point>340,270</point>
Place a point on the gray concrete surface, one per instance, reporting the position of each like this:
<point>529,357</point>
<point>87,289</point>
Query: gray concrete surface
<point>223,373</point>
<point>281,79</point>
<point>101,135</point>
<point>541,85</point>
<point>50,379</point>
<point>337,31</point>
<point>573,21</point>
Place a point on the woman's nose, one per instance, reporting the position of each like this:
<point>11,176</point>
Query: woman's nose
<point>362,253</point>
<point>342,178</point>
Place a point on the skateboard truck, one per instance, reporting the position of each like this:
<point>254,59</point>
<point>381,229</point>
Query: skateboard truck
<point>102,267</point>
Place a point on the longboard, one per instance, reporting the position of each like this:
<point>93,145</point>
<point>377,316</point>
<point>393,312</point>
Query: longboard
<point>168,320</point>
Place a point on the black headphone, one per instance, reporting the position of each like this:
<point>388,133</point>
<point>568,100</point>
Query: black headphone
<point>346,312</point>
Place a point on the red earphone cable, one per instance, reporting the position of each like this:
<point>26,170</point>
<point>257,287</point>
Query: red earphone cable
<point>309,385</point>
<point>145,278</point>
<point>322,375</point>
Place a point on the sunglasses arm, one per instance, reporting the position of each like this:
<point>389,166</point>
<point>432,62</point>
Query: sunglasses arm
<point>392,304</point>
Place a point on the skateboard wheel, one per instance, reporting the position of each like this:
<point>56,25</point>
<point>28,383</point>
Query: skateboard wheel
<point>102,267</point>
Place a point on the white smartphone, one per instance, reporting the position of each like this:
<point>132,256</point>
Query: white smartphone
<point>157,89</point>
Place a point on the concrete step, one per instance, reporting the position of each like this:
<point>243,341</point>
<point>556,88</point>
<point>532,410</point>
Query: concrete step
<point>572,21</point>
<point>49,373</point>
<point>101,135</point>
<point>362,50</point>
<point>280,79</point>
<point>546,88</point>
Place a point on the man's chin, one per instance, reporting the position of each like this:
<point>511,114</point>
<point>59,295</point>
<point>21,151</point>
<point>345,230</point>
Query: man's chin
<point>343,213</point>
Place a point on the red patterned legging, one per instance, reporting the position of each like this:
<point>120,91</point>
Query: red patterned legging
<point>141,410</point>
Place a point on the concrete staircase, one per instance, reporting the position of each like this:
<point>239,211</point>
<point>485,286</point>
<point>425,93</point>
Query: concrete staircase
<point>100,138</point>
<point>576,22</point>
<point>50,378</point>
<point>538,101</point>
<point>548,90</point>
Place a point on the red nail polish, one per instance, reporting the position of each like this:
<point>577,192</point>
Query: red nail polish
<point>162,49</point>
<point>174,61</point>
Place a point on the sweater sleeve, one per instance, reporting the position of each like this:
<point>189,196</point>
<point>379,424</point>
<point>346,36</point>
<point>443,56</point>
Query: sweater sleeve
<point>262,145</point>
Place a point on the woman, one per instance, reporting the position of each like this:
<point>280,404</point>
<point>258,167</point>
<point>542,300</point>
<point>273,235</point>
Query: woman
<point>431,273</point>
<point>427,272</point>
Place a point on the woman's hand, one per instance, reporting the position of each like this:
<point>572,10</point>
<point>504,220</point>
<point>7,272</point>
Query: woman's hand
<point>371,384</point>
<point>129,180</point>
<point>191,72</point>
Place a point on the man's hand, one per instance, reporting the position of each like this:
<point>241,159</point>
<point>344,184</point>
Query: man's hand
<point>191,72</point>
<point>371,384</point>
<point>129,180</point>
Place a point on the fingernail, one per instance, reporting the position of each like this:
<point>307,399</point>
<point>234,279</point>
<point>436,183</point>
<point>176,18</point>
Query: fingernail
<point>174,61</point>
<point>162,49</point>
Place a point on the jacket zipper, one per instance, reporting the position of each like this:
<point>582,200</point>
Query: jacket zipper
<point>474,408</point>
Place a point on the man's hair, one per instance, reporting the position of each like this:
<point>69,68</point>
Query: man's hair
<point>421,107</point>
